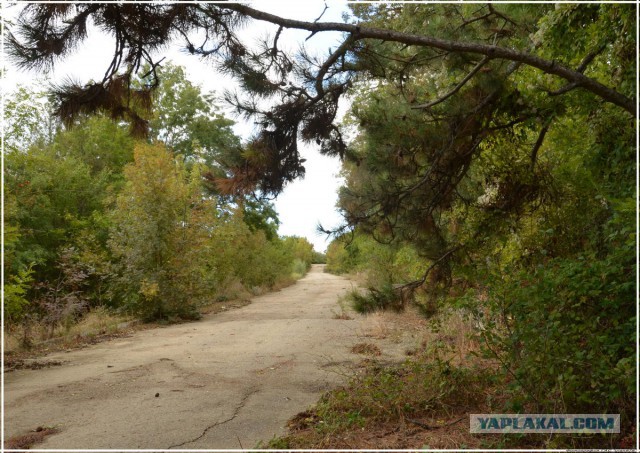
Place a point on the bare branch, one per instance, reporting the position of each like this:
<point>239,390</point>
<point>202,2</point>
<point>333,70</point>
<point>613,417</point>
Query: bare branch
<point>326,7</point>
<point>500,15</point>
<point>589,58</point>
<point>456,88</point>
<point>417,283</point>
<point>565,89</point>
<point>274,49</point>
<point>475,19</point>
<point>583,65</point>
<point>340,51</point>
<point>538,144</point>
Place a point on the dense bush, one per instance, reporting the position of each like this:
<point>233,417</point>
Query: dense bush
<point>95,218</point>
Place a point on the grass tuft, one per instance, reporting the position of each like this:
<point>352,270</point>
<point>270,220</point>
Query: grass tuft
<point>367,349</point>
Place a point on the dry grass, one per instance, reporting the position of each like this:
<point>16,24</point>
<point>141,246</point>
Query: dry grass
<point>16,363</point>
<point>391,407</point>
<point>344,310</point>
<point>233,290</point>
<point>220,306</point>
<point>391,436</point>
<point>101,324</point>
<point>26,441</point>
<point>342,315</point>
<point>457,332</point>
<point>99,321</point>
<point>376,325</point>
<point>230,290</point>
<point>423,403</point>
<point>367,349</point>
<point>96,324</point>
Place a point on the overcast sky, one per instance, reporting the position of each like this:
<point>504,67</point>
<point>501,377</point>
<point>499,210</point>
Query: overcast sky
<point>304,203</point>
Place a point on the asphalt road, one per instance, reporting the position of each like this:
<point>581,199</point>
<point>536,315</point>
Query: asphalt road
<point>228,381</point>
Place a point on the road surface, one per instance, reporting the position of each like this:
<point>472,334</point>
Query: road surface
<point>228,381</point>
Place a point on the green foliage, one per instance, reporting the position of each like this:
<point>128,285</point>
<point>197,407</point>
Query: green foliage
<point>300,249</point>
<point>187,121</point>
<point>318,258</point>
<point>156,228</point>
<point>100,143</point>
<point>337,257</point>
<point>62,300</point>
<point>299,268</point>
<point>528,201</point>
<point>261,215</point>
<point>54,198</point>
<point>248,256</point>
<point>386,267</point>
<point>27,119</point>
<point>175,250</point>
<point>91,223</point>
<point>517,186</point>
<point>15,292</point>
<point>565,330</point>
<point>381,298</point>
<point>389,394</point>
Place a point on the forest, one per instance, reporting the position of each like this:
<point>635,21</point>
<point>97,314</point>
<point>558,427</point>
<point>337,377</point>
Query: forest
<point>489,163</point>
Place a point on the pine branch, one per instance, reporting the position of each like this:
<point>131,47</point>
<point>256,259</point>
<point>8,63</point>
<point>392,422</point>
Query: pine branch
<point>492,51</point>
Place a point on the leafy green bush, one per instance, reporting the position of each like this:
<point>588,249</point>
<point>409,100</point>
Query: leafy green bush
<point>159,225</point>
<point>299,268</point>
<point>318,258</point>
<point>375,299</point>
<point>15,291</point>
<point>565,333</point>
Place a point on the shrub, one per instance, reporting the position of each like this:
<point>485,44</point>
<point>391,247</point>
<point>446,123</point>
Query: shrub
<point>564,334</point>
<point>299,268</point>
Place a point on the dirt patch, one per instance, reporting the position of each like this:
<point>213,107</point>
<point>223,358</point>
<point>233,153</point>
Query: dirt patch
<point>367,349</point>
<point>26,441</point>
<point>302,421</point>
<point>25,364</point>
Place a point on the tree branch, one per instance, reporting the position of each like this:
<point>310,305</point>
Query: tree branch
<point>500,15</point>
<point>341,50</point>
<point>326,7</point>
<point>456,88</point>
<point>538,144</point>
<point>492,51</point>
<point>585,62</point>
<point>472,20</point>
<point>274,48</point>
<point>416,283</point>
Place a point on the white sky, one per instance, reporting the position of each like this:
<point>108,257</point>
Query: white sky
<point>304,203</point>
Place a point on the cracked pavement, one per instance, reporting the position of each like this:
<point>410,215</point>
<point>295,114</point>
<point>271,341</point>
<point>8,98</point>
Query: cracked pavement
<point>228,381</point>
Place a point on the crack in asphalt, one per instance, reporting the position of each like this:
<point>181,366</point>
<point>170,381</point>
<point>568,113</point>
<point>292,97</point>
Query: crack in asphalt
<point>206,430</point>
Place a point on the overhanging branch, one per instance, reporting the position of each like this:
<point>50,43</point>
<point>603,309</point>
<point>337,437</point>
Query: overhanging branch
<point>491,51</point>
